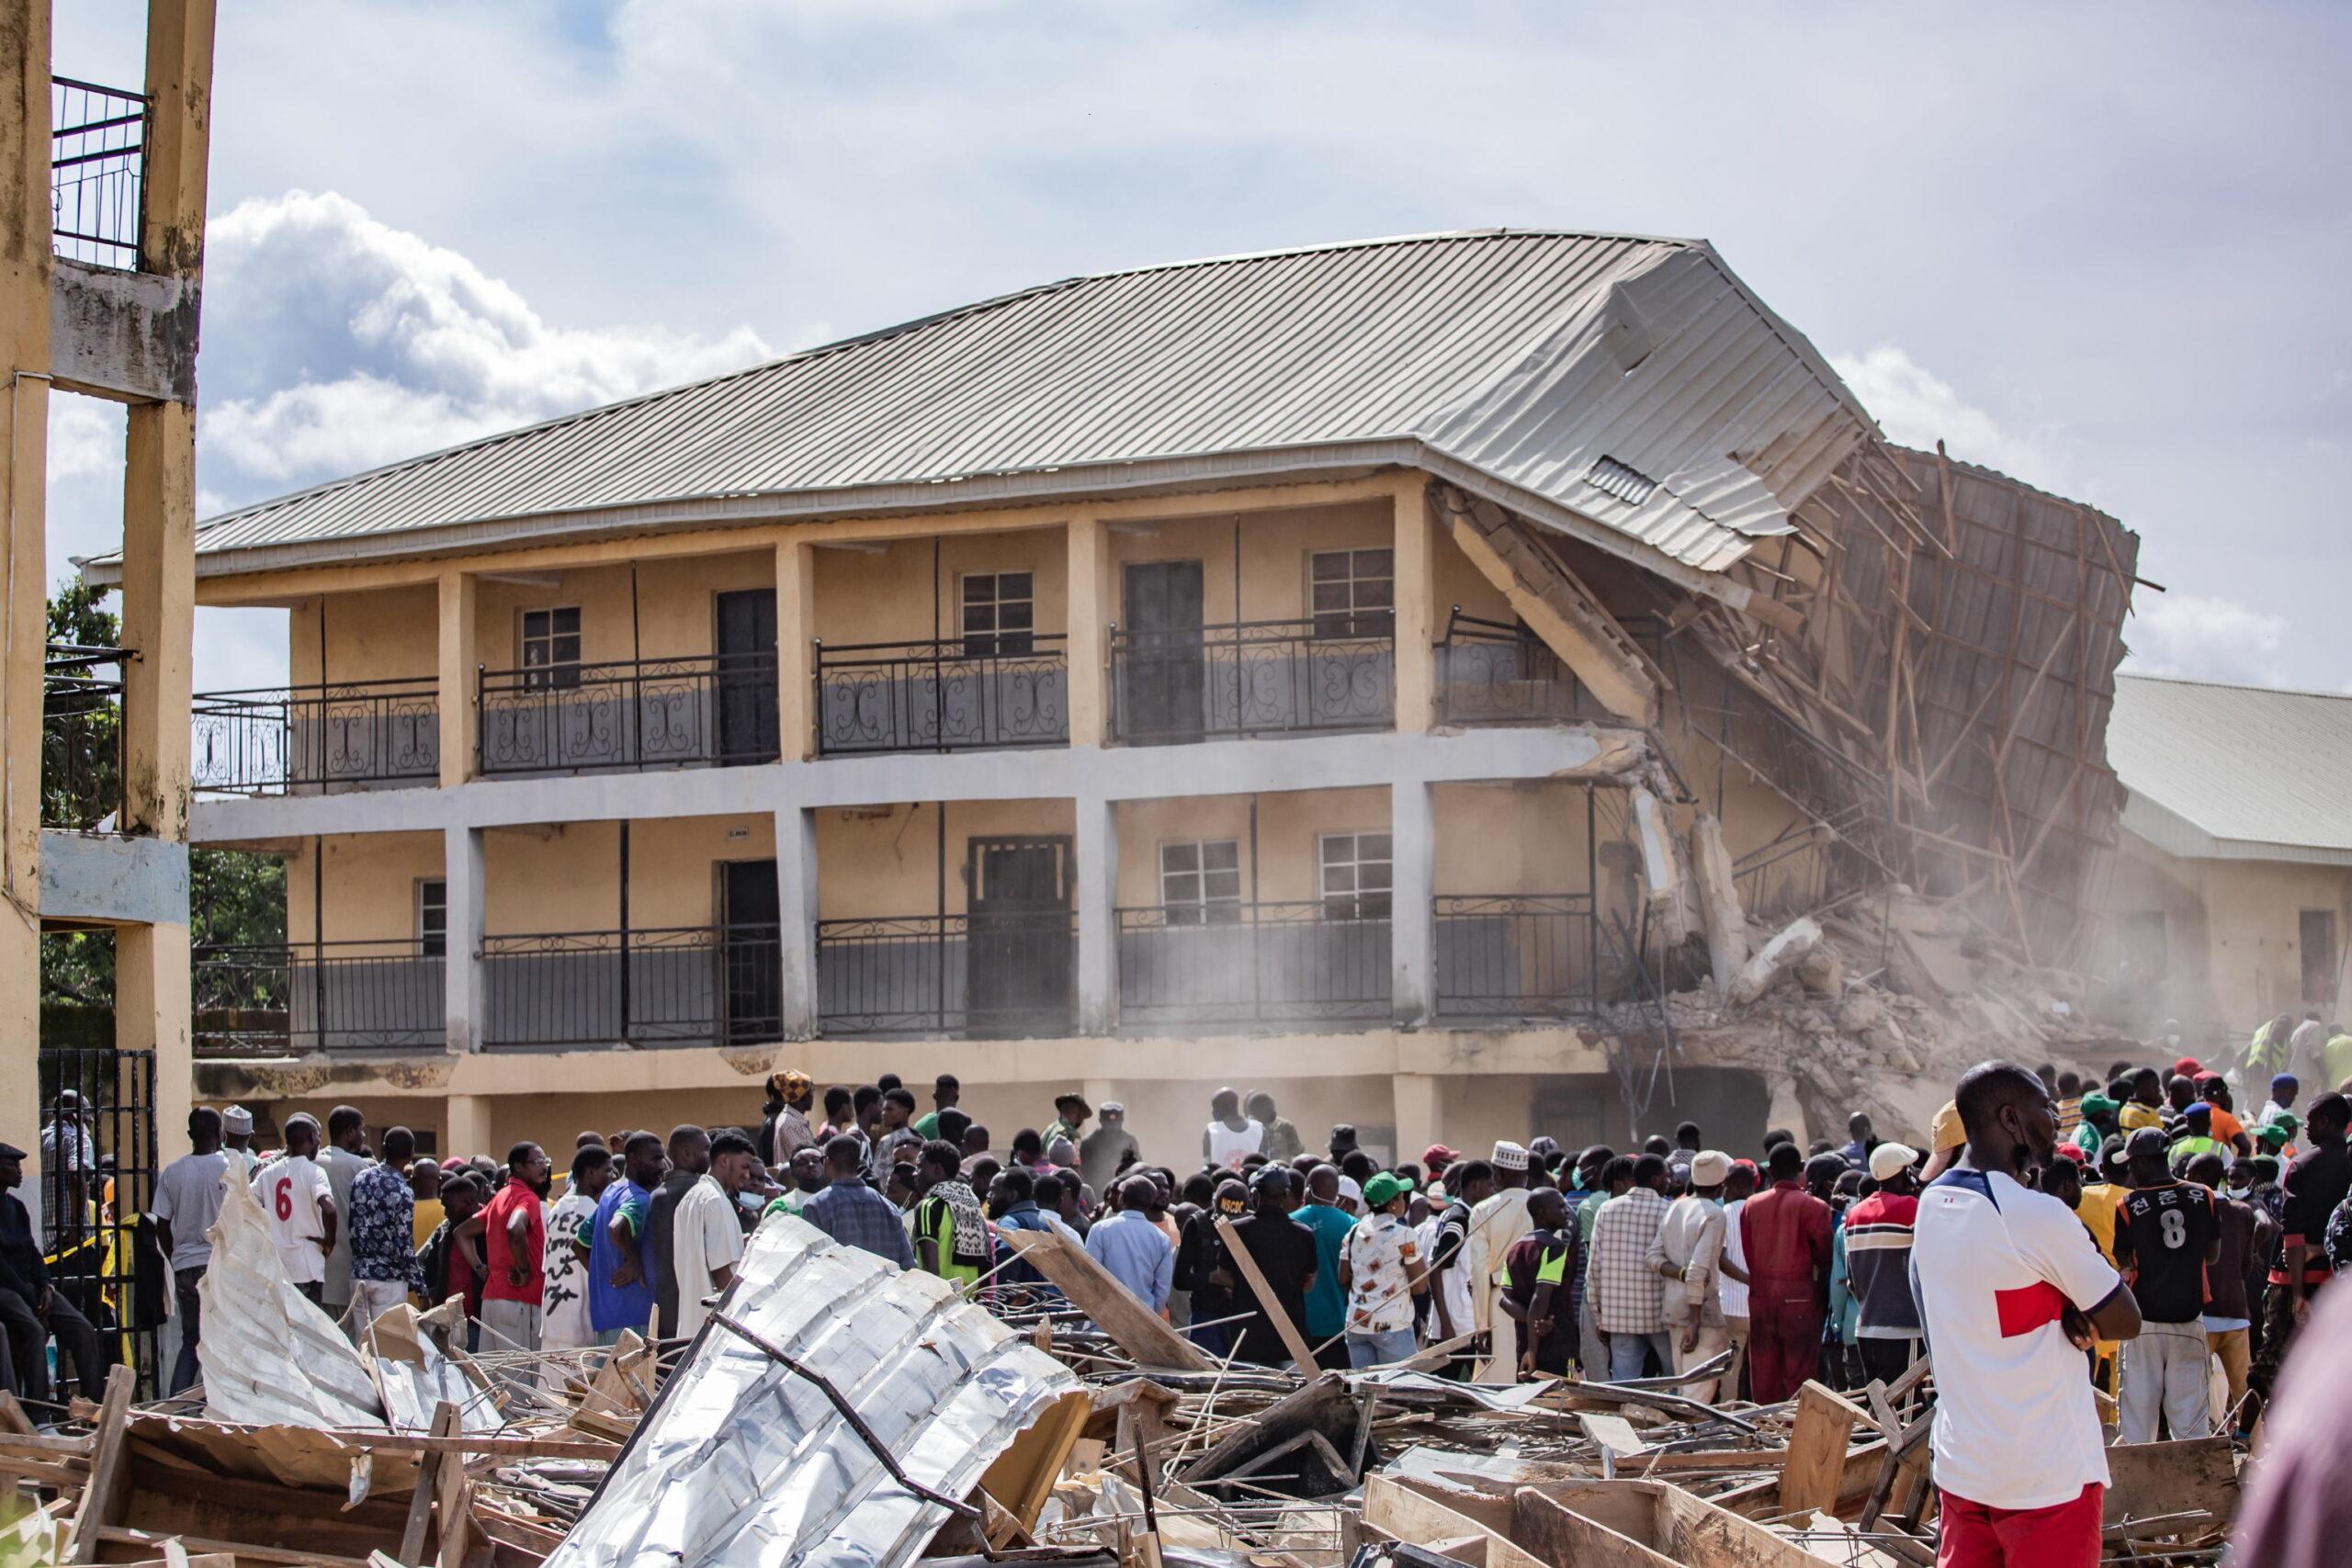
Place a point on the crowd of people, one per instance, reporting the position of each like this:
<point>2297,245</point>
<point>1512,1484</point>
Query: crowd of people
<point>2168,1245</point>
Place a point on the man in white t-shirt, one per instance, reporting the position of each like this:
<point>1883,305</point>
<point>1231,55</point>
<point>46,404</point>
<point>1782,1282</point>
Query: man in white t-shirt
<point>2012,1289</point>
<point>705,1238</point>
<point>298,1207</point>
<point>1230,1137</point>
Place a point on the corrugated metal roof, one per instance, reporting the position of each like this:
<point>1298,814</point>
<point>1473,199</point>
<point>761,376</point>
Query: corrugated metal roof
<point>1522,357</point>
<point>2233,772</point>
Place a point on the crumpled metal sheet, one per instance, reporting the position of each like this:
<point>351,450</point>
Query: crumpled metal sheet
<point>743,1463</point>
<point>271,1356</point>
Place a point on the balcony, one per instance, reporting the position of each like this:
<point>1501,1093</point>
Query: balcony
<point>683,986</point>
<point>705,710</point>
<point>1511,957</point>
<point>96,149</point>
<point>283,1000</point>
<point>81,737</point>
<point>1253,678</point>
<point>994,975</point>
<point>1497,673</point>
<point>960,694</point>
<point>1253,965</point>
<point>284,740</point>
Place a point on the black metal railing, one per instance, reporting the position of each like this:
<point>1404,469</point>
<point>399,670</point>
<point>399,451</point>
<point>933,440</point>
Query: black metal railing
<point>636,712</point>
<point>81,736</point>
<point>962,693</point>
<point>1249,964</point>
<point>100,1161</point>
<point>679,986</point>
<point>279,740</point>
<point>1252,678</point>
<point>1497,673</point>
<point>97,148</point>
<point>1516,955</point>
<point>994,974</point>
<point>286,998</point>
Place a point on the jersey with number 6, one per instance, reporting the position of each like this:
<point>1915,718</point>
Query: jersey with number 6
<point>2161,1235</point>
<point>288,1191</point>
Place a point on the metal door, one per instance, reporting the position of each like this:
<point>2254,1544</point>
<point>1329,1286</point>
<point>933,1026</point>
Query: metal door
<point>1018,952</point>
<point>1161,678</point>
<point>747,695</point>
<point>751,954</point>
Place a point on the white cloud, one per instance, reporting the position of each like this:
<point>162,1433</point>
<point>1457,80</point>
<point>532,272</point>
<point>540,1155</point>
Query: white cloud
<point>351,344</point>
<point>1917,408</point>
<point>84,438</point>
<point>2206,639</point>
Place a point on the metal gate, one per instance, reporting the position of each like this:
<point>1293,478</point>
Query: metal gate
<point>98,1164</point>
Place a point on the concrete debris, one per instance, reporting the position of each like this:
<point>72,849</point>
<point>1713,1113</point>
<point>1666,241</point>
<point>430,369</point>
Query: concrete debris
<point>1776,958</point>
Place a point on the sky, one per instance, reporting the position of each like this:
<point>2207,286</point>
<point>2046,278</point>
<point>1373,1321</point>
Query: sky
<point>2096,246</point>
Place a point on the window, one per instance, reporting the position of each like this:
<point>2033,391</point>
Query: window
<point>1200,883</point>
<point>1353,593</point>
<point>1000,613</point>
<point>433,917</point>
<point>1355,868</point>
<point>551,647</point>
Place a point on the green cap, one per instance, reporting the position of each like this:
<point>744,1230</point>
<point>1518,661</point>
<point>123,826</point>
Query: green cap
<point>2277,1129</point>
<point>1384,1189</point>
<point>2091,1103</point>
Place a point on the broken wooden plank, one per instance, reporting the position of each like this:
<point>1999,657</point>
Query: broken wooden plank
<point>1819,1438</point>
<point>109,1467</point>
<point>1133,1326</point>
<point>1410,1515</point>
<point>1301,1353</point>
<point>419,1503</point>
<point>123,1535</point>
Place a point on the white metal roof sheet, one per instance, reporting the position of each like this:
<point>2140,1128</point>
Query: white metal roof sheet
<point>2236,772</point>
<point>1515,356</point>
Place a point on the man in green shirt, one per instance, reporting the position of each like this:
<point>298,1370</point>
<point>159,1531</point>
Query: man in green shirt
<point>1070,1112</point>
<point>945,1094</point>
<point>951,1234</point>
<point>1282,1144</point>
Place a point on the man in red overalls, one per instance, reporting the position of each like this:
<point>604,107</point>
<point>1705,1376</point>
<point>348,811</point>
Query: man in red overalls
<point>1785,1233</point>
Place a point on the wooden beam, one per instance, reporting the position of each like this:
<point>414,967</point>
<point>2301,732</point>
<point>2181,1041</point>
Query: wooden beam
<point>1816,1455</point>
<point>420,1504</point>
<point>109,1467</point>
<point>1135,1328</point>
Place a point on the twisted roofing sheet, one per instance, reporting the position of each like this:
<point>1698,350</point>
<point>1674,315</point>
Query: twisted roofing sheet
<point>1519,357</point>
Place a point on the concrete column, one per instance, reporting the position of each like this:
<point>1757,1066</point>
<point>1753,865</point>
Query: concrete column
<point>461,969</point>
<point>158,615</point>
<point>1416,1116</point>
<point>152,1010</point>
<point>1416,567</point>
<point>460,661</point>
<point>795,878</point>
<point>795,663</point>
<point>1093,602</point>
<point>175,157</point>
<point>465,1127</point>
<point>1412,827</point>
<point>24,357</point>
<point>1098,925</point>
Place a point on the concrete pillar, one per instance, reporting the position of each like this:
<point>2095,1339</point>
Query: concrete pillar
<point>175,156</point>
<point>1093,603</point>
<point>1417,1114</point>
<point>158,615</point>
<point>151,1011</point>
<point>1412,941</point>
<point>24,269</point>
<point>796,878</point>
<point>461,969</point>
<point>465,1127</point>
<point>1416,570</point>
<point>459,662</point>
<point>1098,923</point>
<point>796,653</point>
<point>1719,900</point>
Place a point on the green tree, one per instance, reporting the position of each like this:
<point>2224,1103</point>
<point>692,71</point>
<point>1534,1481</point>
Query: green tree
<point>81,732</point>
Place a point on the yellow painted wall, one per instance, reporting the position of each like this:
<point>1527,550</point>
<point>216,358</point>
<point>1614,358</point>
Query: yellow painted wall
<point>876,862</point>
<point>385,635</point>
<point>369,881</point>
<point>1289,824</point>
<point>1273,549</point>
<point>865,597</point>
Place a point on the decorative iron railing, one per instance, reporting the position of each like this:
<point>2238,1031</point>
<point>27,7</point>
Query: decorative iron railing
<point>639,713</point>
<point>1252,678</point>
<point>81,736</point>
<point>1249,965</point>
<point>287,998</point>
<point>277,740</point>
<point>963,693</point>
<point>1516,955</point>
<point>1497,673</point>
<point>990,975</point>
<point>96,149</point>
<point>681,986</point>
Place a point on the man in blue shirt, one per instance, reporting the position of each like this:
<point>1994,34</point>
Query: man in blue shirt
<point>1132,1249</point>
<point>1326,1299</point>
<point>620,1287</point>
<point>853,1213</point>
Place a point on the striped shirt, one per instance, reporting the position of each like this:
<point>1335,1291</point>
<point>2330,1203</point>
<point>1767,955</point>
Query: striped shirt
<point>1878,1264</point>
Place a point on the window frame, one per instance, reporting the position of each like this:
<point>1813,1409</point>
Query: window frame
<point>551,673</point>
<point>1356,901</point>
<point>1355,619</point>
<point>996,641</point>
<point>1202,908</point>
<point>429,907</point>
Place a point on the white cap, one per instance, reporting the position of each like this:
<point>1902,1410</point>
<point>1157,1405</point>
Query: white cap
<point>237,1119</point>
<point>1510,1155</point>
<point>1350,1192</point>
<point>1888,1158</point>
<point>1709,1167</point>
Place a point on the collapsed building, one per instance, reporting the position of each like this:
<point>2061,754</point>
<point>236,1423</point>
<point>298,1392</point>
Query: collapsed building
<point>1467,685</point>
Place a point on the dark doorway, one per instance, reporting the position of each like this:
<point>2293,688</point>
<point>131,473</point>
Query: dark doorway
<point>747,695</point>
<point>2315,933</point>
<point>1161,678</point>
<point>1018,951</point>
<point>751,957</point>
